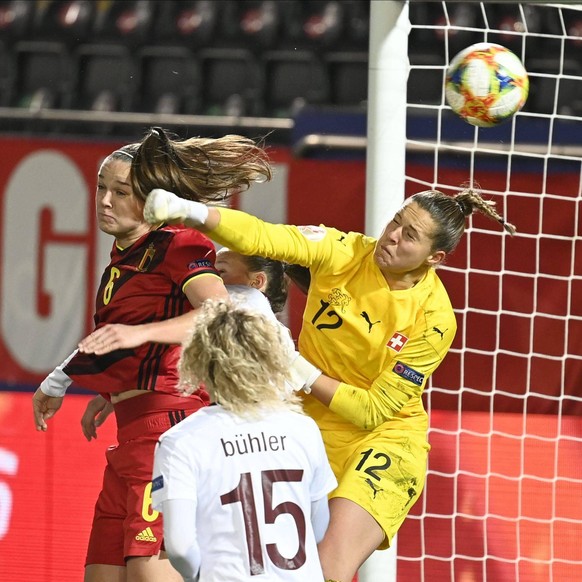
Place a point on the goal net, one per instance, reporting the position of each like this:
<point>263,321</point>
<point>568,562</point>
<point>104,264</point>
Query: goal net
<point>503,500</point>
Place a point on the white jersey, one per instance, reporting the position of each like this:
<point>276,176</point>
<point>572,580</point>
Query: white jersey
<point>253,482</point>
<point>252,299</point>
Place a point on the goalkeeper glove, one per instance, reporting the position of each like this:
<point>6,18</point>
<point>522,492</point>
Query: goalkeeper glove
<point>164,206</point>
<point>303,374</point>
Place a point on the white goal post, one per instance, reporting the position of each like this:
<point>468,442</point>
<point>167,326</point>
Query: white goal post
<point>502,500</point>
<point>385,162</point>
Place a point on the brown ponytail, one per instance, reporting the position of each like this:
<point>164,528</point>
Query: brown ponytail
<point>200,169</point>
<point>450,212</point>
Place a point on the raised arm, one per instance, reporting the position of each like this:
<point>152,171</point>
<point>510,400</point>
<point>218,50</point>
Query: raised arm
<point>239,231</point>
<point>370,406</point>
<point>116,336</point>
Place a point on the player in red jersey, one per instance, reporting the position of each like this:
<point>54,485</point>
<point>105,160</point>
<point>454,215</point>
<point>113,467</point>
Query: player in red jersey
<point>157,275</point>
<point>238,273</point>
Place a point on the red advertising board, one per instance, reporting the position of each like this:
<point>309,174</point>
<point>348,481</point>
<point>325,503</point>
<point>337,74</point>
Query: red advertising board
<point>49,483</point>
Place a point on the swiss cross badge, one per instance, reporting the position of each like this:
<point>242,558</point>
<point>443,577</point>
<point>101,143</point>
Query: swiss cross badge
<point>397,342</point>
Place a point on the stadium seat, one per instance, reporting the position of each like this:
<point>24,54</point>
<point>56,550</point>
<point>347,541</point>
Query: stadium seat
<point>15,20</point>
<point>192,24</point>
<point>463,17</point>
<point>170,80</point>
<point>424,44</point>
<point>356,25</point>
<point>67,21</point>
<point>6,76</point>
<point>107,76</point>
<point>293,79</point>
<point>127,22</point>
<point>312,25</point>
<point>43,75</point>
<point>573,45</point>
<point>570,97</point>
<point>507,19</point>
<point>348,78</point>
<point>232,82</point>
<point>573,25</point>
<point>426,41</point>
<point>425,86</point>
<point>252,24</point>
<point>542,95</point>
<point>544,74</point>
<point>537,20</point>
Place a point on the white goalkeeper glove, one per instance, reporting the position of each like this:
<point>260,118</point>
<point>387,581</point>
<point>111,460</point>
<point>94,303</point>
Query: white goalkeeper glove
<point>303,374</point>
<point>57,382</point>
<point>164,206</point>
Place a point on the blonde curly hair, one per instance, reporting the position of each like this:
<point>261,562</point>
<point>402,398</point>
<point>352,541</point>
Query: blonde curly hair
<point>241,358</point>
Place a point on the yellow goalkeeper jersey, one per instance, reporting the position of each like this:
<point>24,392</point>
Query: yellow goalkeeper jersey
<point>382,345</point>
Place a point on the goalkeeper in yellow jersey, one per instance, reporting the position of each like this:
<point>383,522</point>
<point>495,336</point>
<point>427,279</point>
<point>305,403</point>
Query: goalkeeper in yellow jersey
<point>377,323</point>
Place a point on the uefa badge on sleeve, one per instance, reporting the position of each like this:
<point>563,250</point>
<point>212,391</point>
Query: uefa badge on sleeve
<point>408,373</point>
<point>158,483</point>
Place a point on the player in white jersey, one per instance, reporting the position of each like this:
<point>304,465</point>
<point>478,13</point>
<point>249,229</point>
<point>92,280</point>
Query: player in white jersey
<point>242,484</point>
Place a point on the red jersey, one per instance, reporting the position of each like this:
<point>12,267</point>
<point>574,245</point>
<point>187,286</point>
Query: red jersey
<point>144,283</point>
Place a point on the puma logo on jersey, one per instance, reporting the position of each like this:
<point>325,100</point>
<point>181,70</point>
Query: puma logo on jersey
<point>374,488</point>
<point>147,535</point>
<point>368,321</point>
<point>441,333</point>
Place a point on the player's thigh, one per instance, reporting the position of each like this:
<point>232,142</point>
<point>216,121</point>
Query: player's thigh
<point>105,573</point>
<point>353,534</point>
<point>107,530</point>
<point>152,569</point>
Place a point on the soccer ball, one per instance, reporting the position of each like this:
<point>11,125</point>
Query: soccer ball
<point>486,84</point>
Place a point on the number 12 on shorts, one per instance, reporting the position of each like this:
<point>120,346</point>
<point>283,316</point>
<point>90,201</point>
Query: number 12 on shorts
<point>371,470</point>
<point>243,494</point>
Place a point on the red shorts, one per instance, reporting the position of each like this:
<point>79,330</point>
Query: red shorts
<point>124,523</point>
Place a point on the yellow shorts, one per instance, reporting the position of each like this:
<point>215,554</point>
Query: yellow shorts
<point>383,472</point>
